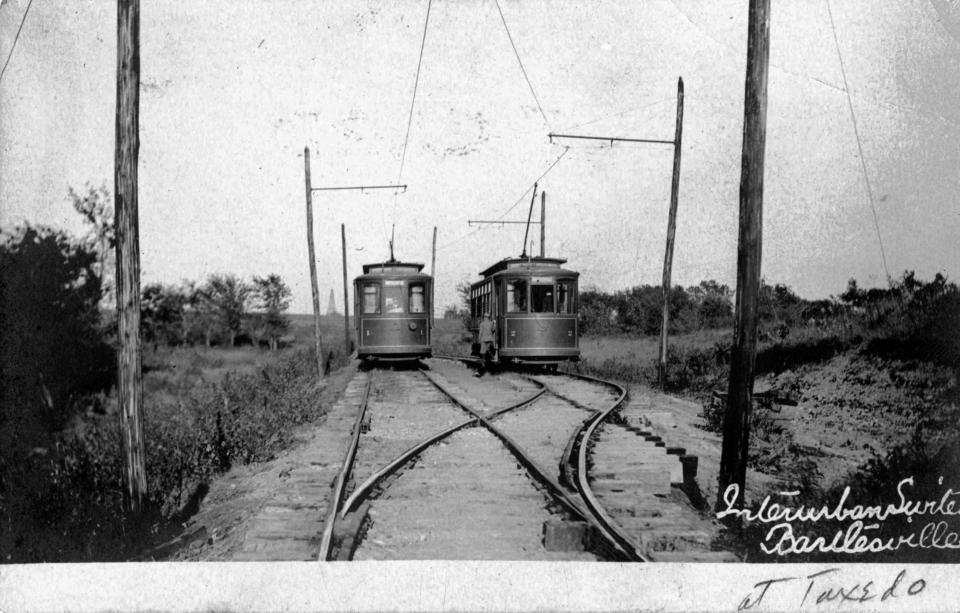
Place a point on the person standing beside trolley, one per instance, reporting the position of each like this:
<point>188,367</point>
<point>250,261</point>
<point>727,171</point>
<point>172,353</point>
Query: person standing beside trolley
<point>486,339</point>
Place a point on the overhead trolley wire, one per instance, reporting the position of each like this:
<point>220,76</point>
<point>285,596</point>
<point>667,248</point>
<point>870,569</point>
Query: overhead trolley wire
<point>522,197</point>
<point>522,69</point>
<point>802,75</point>
<point>856,132</point>
<point>413,100</point>
<point>15,39</point>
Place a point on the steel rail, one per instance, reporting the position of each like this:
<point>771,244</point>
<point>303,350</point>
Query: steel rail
<point>579,443</point>
<point>542,475</point>
<point>326,541</point>
<point>361,491</point>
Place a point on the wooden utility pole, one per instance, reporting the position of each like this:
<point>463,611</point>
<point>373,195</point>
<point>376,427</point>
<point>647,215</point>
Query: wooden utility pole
<point>126,153</point>
<point>433,253</point>
<point>313,264</point>
<point>346,296</point>
<point>671,231</point>
<point>543,224</point>
<point>736,421</point>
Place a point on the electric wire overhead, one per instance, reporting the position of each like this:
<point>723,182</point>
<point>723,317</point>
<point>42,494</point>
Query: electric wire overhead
<point>15,39</point>
<point>413,100</point>
<point>856,132</point>
<point>514,205</point>
<point>522,69</point>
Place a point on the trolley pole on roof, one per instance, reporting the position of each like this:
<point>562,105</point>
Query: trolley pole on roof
<point>346,296</point>
<point>533,198</point>
<point>543,225</point>
<point>671,231</point>
<point>313,265</point>
<point>126,153</point>
<point>736,420</point>
<point>433,252</point>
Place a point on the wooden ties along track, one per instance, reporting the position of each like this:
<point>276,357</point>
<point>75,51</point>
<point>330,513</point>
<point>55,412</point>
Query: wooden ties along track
<point>446,466</point>
<point>639,488</point>
<point>426,483</point>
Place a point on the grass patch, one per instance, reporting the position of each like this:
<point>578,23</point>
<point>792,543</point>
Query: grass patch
<point>204,411</point>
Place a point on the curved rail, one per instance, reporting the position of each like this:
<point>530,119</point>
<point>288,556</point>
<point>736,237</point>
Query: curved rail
<point>578,443</point>
<point>361,491</point>
<point>326,542</point>
<point>556,490</point>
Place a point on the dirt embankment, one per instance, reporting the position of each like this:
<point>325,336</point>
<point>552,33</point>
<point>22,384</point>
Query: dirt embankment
<point>855,407</point>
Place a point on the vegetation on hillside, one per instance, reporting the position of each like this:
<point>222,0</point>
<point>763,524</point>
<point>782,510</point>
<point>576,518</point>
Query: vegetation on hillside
<point>60,455</point>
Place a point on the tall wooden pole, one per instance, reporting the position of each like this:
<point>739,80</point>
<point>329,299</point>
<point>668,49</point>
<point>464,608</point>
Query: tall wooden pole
<point>543,224</point>
<point>736,422</point>
<point>313,263</point>
<point>346,295</point>
<point>671,232</point>
<point>433,253</point>
<point>126,153</point>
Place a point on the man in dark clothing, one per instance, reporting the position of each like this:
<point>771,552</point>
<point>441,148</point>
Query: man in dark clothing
<point>486,338</point>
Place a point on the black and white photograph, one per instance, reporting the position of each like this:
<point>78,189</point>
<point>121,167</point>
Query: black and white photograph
<point>479,305</point>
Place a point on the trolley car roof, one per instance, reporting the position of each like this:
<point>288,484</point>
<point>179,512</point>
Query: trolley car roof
<point>528,265</point>
<point>393,269</point>
<point>392,266</point>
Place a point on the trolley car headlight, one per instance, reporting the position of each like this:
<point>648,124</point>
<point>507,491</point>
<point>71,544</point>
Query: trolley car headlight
<point>412,325</point>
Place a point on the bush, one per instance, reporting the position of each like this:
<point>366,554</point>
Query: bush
<point>52,350</point>
<point>71,496</point>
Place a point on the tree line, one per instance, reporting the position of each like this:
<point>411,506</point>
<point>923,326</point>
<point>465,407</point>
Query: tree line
<point>709,305</point>
<point>58,318</point>
<point>223,309</point>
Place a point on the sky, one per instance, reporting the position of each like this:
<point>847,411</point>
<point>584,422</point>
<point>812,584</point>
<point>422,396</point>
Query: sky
<point>232,92</point>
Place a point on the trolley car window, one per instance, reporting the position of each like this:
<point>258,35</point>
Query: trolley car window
<point>371,299</point>
<point>418,302</point>
<point>565,296</point>
<point>517,296</point>
<point>393,299</point>
<point>541,298</point>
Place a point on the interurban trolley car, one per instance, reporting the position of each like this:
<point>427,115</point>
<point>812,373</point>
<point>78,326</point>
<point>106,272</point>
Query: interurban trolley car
<point>393,302</point>
<point>533,303</point>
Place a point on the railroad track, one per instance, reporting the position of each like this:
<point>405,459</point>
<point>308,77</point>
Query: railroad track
<point>447,466</point>
<point>632,481</point>
<point>629,480</point>
<point>443,465</point>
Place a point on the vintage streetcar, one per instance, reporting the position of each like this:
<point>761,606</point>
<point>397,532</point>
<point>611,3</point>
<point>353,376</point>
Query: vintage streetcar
<point>393,302</point>
<point>533,303</point>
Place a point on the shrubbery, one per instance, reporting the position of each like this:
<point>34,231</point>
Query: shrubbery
<point>60,454</point>
<point>66,504</point>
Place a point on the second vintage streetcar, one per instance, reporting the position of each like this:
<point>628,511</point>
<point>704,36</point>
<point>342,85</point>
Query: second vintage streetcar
<point>533,303</point>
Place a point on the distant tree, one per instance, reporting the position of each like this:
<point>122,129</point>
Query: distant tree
<point>202,313</point>
<point>272,300</point>
<point>854,296</point>
<point>683,312</point>
<point>162,313</point>
<point>228,296</point>
<point>97,211</point>
<point>639,309</point>
<point>463,291</point>
<point>712,303</point>
<point>597,312</point>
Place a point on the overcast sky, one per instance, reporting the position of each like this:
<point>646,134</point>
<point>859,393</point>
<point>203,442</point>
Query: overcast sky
<point>231,92</point>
